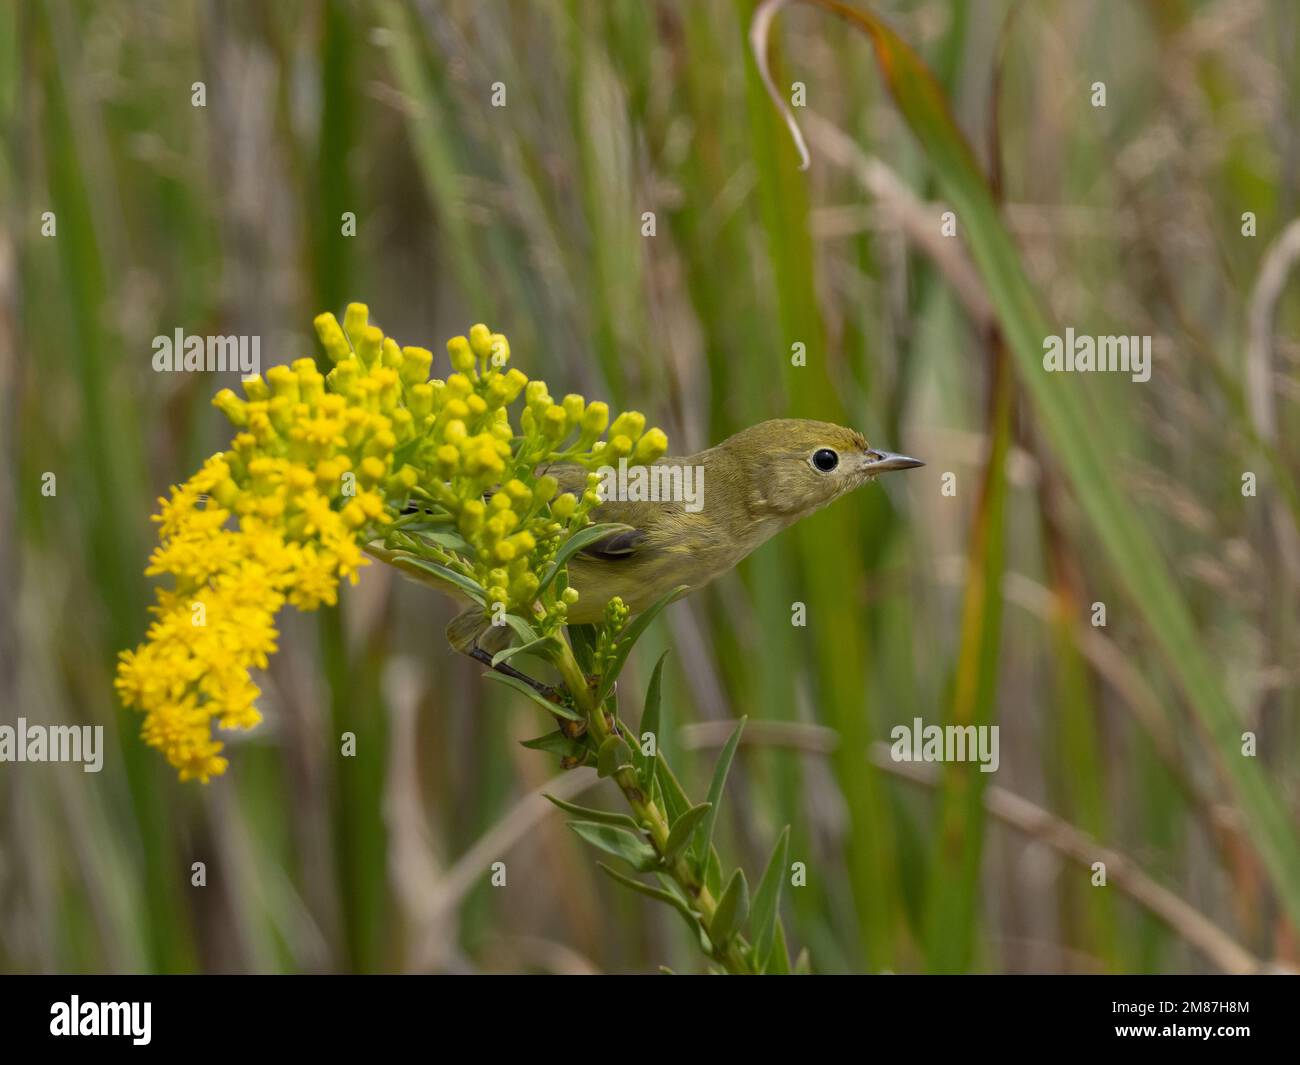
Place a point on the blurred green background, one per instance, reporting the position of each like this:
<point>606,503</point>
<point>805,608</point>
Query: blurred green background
<point>227,219</point>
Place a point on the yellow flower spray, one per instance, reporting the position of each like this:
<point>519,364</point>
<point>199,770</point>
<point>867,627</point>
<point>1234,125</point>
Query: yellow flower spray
<point>375,459</point>
<point>320,466</point>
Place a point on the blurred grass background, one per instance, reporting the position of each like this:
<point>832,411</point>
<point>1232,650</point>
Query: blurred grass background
<point>227,219</point>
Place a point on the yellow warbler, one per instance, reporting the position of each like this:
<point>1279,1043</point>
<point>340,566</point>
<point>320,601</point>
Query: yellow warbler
<point>721,504</point>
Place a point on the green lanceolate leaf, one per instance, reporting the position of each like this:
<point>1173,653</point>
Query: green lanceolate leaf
<point>675,801</point>
<point>544,648</point>
<point>582,638</point>
<point>533,694</point>
<point>603,817</point>
<point>471,588</point>
<point>613,755</point>
<point>715,794</point>
<point>630,636</point>
<point>683,829</point>
<point>779,963</point>
<point>575,543</point>
<point>620,842</point>
<point>713,871</point>
<point>767,899</point>
<point>443,537</point>
<point>556,743</point>
<point>732,909</point>
<point>650,891</point>
<point>521,627</point>
<point>650,723</point>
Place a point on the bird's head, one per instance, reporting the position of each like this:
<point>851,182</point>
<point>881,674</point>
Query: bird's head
<point>794,466</point>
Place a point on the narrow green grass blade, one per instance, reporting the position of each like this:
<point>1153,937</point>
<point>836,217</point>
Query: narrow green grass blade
<point>953,893</point>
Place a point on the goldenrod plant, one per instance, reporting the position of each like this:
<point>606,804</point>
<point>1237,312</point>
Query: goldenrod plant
<point>432,476</point>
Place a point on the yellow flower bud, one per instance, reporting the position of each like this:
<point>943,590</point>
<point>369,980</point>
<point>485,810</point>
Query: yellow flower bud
<point>517,381</point>
<point>283,382</point>
<point>404,479</point>
<point>255,389</point>
<point>311,384</point>
<point>415,365</point>
<point>381,443</point>
<point>403,424</point>
<point>232,407</point>
<point>390,354</point>
<point>536,396</point>
<point>480,340</point>
<point>620,447</point>
<point>545,489</point>
<point>499,350</point>
<point>329,474</point>
<point>372,470</point>
<point>462,358</point>
<point>477,406</point>
<point>518,491</point>
<point>226,493</point>
<point>454,431</point>
<point>448,457</point>
<point>332,337</point>
<point>471,517</point>
<point>595,418</point>
<point>260,425</point>
<point>524,590</point>
<point>555,424</point>
<point>524,542</point>
<point>497,594</point>
<point>343,378</point>
<point>574,405</point>
<point>504,551</point>
<point>299,478</point>
<point>270,508</point>
<point>419,399</point>
<point>354,515</point>
<point>459,386</point>
<point>485,460</point>
<point>630,424</point>
<point>569,596</point>
<point>652,446</point>
<point>356,319</point>
<point>370,344</point>
<point>498,391</point>
<point>564,506</point>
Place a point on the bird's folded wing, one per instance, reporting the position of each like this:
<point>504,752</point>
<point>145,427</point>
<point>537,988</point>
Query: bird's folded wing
<point>616,546</point>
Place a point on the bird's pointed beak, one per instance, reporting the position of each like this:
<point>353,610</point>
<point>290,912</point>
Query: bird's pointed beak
<point>884,461</point>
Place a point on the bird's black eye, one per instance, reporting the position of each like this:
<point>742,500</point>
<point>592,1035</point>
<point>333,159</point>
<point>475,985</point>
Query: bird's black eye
<point>825,459</point>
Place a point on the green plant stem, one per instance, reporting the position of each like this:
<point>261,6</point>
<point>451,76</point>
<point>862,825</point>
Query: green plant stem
<point>734,955</point>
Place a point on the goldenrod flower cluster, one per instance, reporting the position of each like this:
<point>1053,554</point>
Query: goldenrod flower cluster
<point>321,465</point>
